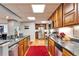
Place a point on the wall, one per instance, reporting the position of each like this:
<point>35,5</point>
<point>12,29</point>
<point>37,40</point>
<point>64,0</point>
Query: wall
<point>4,22</point>
<point>12,25</point>
<point>70,31</point>
<point>5,27</point>
<point>30,31</point>
<point>76,31</point>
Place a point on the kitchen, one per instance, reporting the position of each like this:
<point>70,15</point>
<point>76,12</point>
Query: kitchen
<point>61,29</point>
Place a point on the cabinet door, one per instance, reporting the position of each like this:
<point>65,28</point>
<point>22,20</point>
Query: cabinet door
<point>78,12</point>
<point>57,17</point>
<point>66,53</point>
<point>60,16</point>
<point>51,47</point>
<point>69,13</point>
<point>68,7</point>
<point>25,45</point>
<point>21,50</point>
<point>54,18</point>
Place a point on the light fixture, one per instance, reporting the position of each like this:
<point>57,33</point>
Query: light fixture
<point>44,21</point>
<point>7,17</point>
<point>31,18</point>
<point>38,8</point>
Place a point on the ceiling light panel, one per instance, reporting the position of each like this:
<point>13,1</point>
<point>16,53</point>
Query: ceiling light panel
<point>31,18</point>
<point>38,8</point>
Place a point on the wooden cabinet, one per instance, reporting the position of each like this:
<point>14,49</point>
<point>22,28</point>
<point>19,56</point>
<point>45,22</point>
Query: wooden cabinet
<point>69,14</point>
<point>57,17</point>
<point>51,47</point>
<point>60,15</point>
<point>56,50</point>
<point>23,46</point>
<point>66,53</point>
<point>20,51</point>
<point>78,12</point>
<point>65,15</point>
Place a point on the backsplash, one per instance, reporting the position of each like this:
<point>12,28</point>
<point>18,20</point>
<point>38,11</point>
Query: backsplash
<point>67,30</point>
<point>76,31</point>
<point>72,31</point>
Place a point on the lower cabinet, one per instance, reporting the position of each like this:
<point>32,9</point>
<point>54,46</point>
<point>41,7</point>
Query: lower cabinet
<point>56,50</point>
<point>21,50</point>
<point>51,47</point>
<point>13,50</point>
<point>23,46</point>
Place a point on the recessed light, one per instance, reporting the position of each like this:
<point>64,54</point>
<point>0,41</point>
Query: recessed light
<point>7,17</point>
<point>38,8</point>
<point>31,18</point>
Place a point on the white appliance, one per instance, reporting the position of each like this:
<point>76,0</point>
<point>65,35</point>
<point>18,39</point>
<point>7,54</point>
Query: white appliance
<point>4,49</point>
<point>13,51</point>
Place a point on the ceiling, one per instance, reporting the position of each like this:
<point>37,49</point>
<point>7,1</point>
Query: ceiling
<point>24,10</point>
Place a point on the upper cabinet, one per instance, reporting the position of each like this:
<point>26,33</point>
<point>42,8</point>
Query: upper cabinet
<point>69,14</point>
<point>78,12</point>
<point>57,17</point>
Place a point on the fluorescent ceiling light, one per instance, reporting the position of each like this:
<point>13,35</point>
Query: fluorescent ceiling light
<point>44,21</point>
<point>31,18</point>
<point>38,8</point>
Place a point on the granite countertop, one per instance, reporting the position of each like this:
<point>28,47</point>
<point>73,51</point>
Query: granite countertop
<point>70,45</point>
<point>3,41</point>
<point>11,41</point>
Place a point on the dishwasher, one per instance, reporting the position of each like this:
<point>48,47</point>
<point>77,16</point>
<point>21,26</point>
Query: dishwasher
<point>13,51</point>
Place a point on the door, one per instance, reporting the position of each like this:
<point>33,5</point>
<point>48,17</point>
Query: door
<point>41,33</point>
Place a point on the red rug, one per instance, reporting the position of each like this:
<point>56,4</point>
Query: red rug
<point>37,51</point>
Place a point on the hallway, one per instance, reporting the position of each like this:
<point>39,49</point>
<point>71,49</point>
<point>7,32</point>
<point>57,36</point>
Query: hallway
<point>38,48</point>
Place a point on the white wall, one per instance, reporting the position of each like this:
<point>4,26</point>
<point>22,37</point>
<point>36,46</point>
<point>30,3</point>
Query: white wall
<point>30,31</point>
<point>76,31</point>
<point>12,25</point>
<point>5,27</point>
<point>4,22</point>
